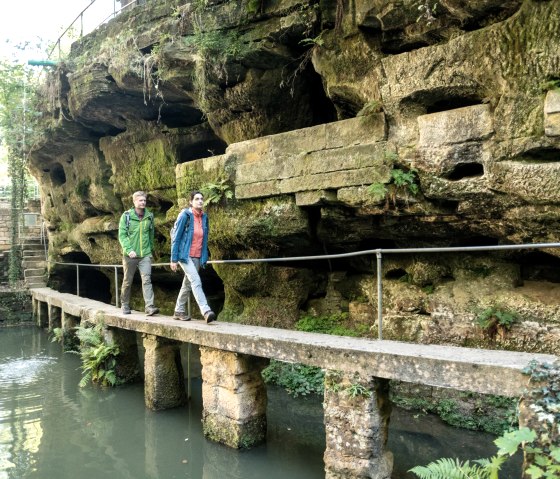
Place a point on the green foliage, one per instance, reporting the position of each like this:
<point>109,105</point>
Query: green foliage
<point>553,84</point>
<point>451,469</point>
<point>333,324</point>
<point>82,188</point>
<point>401,182</point>
<point>317,41</point>
<point>18,86</point>
<point>495,320</point>
<point>357,390</point>
<point>217,193</point>
<point>57,335</point>
<point>373,106</point>
<point>297,379</point>
<point>98,358</point>
<point>482,271</point>
<point>255,6</point>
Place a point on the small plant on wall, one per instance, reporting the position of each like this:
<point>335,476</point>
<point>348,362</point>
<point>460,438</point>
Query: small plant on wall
<point>402,183</point>
<point>217,193</point>
<point>495,321</point>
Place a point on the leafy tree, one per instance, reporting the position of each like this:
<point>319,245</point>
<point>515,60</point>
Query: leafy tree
<point>17,92</point>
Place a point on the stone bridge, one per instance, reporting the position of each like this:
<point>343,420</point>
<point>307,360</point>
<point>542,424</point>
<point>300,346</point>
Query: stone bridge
<point>234,394</point>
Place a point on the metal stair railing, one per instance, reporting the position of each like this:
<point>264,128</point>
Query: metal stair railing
<point>379,252</point>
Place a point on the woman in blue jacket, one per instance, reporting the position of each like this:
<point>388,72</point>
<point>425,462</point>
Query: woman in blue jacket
<point>189,249</point>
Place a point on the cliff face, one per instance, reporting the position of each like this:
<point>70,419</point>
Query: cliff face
<point>338,126</point>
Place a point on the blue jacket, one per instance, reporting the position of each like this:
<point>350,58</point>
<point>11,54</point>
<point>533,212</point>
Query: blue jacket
<point>182,245</point>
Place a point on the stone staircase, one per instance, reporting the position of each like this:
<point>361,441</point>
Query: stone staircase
<point>34,264</point>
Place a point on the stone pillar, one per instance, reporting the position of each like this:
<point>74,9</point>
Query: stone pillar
<point>357,412</point>
<point>70,341</point>
<point>164,385</point>
<point>42,314</point>
<point>55,317</point>
<point>128,364</point>
<point>233,397</point>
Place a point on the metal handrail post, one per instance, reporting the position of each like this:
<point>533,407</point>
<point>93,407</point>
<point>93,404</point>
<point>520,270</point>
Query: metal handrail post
<point>77,280</point>
<point>379,297</point>
<point>81,24</point>
<point>116,288</point>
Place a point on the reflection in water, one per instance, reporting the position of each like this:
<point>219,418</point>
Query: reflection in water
<point>50,428</point>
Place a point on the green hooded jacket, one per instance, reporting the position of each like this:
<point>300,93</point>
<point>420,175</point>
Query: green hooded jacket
<point>138,235</point>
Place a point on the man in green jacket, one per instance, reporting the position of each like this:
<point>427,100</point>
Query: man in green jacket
<point>136,236</point>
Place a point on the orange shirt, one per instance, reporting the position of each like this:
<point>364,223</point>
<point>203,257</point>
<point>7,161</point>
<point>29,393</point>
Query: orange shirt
<point>198,234</point>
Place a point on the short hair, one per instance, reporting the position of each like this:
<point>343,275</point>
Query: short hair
<point>136,194</point>
<point>196,192</point>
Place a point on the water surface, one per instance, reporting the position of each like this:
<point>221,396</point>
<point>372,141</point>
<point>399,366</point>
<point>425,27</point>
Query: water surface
<point>50,428</point>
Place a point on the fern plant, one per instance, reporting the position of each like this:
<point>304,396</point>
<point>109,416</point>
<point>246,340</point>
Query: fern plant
<point>401,182</point>
<point>98,358</point>
<point>216,193</point>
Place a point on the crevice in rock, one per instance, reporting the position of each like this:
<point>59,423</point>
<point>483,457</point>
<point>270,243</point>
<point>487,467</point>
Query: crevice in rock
<point>394,47</point>
<point>323,109</point>
<point>465,170</point>
<point>202,149</point>
<point>160,204</point>
<point>540,155</point>
<point>441,99</point>
<point>452,103</point>
<point>539,266</point>
<point>58,176</point>
<point>396,273</point>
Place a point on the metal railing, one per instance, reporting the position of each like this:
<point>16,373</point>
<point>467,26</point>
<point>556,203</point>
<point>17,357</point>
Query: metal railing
<point>377,252</point>
<point>80,18</point>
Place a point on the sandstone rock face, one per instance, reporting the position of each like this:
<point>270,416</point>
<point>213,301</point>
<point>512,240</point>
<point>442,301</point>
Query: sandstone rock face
<point>336,127</point>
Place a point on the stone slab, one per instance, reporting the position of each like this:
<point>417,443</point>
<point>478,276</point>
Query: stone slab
<point>465,369</point>
<point>455,126</point>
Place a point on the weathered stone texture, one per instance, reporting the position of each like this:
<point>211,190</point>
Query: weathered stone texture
<point>234,398</point>
<point>357,412</point>
<point>163,374</point>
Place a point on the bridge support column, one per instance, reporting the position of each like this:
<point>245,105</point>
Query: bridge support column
<point>357,411</point>
<point>55,317</point>
<point>42,313</point>
<point>70,341</point>
<point>128,365</point>
<point>233,397</point>
<point>164,384</point>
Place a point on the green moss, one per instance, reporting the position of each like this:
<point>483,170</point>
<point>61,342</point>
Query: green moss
<point>493,414</point>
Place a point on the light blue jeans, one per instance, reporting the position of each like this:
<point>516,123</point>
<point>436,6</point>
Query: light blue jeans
<point>191,281</point>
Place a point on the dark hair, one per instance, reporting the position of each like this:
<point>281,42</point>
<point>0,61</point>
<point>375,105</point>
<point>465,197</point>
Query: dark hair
<point>194,193</point>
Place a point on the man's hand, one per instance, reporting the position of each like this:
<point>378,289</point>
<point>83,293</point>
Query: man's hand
<point>132,254</point>
<point>173,266</point>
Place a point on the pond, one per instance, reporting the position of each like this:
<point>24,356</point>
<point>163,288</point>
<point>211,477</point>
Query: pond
<point>51,428</point>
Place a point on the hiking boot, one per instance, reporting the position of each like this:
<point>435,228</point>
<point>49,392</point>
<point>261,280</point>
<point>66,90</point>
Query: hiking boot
<point>150,311</point>
<point>126,309</point>
<point>181,316</point>
<point>210,316</point>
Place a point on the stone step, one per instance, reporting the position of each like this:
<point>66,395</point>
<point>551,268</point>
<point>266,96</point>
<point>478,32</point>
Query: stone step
<point>34,262</point>
<point>33,246</point>
<point>35,281</point>
<point>32,253</point>
<point>29,273</point>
